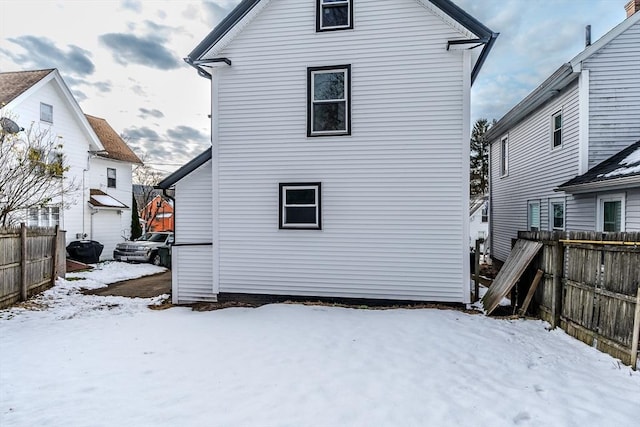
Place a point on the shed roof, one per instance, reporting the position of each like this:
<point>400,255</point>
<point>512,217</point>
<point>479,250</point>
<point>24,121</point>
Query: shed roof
<point>100,199</point>
<point>115,147</point>
<point>185,170</point>
<point>620,170</point>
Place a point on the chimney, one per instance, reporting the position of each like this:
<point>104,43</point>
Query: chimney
<point>587,36</point>
<point>632,7</point>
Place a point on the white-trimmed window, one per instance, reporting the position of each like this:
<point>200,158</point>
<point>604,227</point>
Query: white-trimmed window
<point>334,15</point>
<point>46,112</point>
<point>557,214</point>
<point>111,178</point>
<point>556,130</point>
<point>329,100</point>
<point>300,206</point>
<point>48,216</point>
<point>611,213</point>
<point>533,215</point>
<point>504,156</point>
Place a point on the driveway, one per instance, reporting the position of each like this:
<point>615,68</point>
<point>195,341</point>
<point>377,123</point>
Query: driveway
<point>143,287</point>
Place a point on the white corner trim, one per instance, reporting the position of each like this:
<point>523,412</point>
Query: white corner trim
<point>466,149</point>
<point>215,181</point>
<point>583,142</point>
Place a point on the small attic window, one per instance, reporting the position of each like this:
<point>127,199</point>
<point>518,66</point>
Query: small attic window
<point>46,113</point>
<point>334,15</point>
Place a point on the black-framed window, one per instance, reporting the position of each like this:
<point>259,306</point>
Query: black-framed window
<point>504,156</point>
<point>556,125</point>
<point>111,178</point>
<point>329,100</point>
<point>300,206</point>
<point>46,112</point>
<point>334,15</point>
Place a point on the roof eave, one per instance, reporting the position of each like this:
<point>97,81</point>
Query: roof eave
<point>559,80</point>
<point>602,185</point>
<point>185,170</point>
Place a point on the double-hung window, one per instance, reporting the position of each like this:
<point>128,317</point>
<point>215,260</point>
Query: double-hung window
<point>533,215</point>
<point>611,213</point>
<point>111,178</point>
<point>46,112</point>
<point>556,128</point>
<point>329,101</point>
<point>300,206</point>
<point>504,156</point>
<point>334,15</point>
<point>556,208</point>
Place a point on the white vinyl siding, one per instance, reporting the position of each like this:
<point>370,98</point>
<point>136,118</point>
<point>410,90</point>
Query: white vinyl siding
<point>191,272</point>
<point>534,170</point>
<point>195,204</point>
<point>394,199</point>
<point>614,96</point>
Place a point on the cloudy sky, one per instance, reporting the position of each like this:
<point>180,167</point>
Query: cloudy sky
<point>123,58</point>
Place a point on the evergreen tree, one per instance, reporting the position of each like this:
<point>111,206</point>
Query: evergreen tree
<point>136,229</point>
<point>479,176</point>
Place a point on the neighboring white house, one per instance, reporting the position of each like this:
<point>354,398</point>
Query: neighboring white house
<point>478,220</point>
<point>42,98</point>
<point>551,155</point>
<point>340,157</point>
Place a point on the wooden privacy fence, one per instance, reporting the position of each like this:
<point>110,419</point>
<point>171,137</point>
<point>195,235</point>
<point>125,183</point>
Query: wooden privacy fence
<point>30,261</point>
<point>591,287</point>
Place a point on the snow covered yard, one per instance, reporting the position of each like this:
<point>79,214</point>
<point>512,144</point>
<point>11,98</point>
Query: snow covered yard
<point>110,361</point>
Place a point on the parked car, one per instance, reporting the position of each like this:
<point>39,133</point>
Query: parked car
<point>143,249</point>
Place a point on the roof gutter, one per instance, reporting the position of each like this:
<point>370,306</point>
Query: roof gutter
<point>610,184</point>
<point>549,88</point>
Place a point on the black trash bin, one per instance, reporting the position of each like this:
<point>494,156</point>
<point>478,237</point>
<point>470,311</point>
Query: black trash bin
<point>165,256</point>
<point>86,251</point>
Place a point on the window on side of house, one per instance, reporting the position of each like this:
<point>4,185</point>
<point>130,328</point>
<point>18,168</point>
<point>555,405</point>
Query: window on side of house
<point>48,216</point>
<point>111,178</point>
<point>300,206</point>
<point>334,15</point>
<point>611,213</point>
<point>46,112</point>
<point>556,129</point>
<point>557,214</point>
<point>504,156</point>
<point>533,215</point>
<point>329,101</point>
<point>485,212</point>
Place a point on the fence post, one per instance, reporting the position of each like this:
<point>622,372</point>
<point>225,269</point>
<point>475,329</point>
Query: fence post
<point>558,270</point>
<point>636,333</point>
<point>476,275</point>
<point>54,257</point>
<point>23,262</point>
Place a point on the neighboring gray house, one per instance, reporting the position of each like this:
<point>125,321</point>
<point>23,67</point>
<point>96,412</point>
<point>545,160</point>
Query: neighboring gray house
<point>340,157</point>
<point>548,146</point>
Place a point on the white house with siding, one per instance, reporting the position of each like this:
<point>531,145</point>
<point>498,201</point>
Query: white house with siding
<point>340,153</point>
<point>552,156</point>
<point>100,163</point>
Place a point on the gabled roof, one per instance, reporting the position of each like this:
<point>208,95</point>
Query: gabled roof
<point>185,170</point>
<point>14,84</point>
<point>476,203</point>
<point>115,147</point>
<point>560,79</point>
<point>484,34</point>
<point>622,170</point>
<point>22,84</point>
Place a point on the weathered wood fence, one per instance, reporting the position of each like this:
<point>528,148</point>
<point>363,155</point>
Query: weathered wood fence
<point>30,261</point>
<point>591,287</point>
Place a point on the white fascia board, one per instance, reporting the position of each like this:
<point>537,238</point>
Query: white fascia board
<point>447,19</point>
<point>215,50</point>
<point>611,184</point>
<point>576,62</point>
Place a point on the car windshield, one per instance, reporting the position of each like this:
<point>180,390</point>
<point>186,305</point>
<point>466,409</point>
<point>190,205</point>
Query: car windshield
<point>153,237</point>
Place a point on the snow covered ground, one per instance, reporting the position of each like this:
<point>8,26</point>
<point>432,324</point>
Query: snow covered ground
<point>110,361</point>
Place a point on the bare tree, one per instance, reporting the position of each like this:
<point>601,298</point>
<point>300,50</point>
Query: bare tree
<point>32,169</point>
<point>147,178</point>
